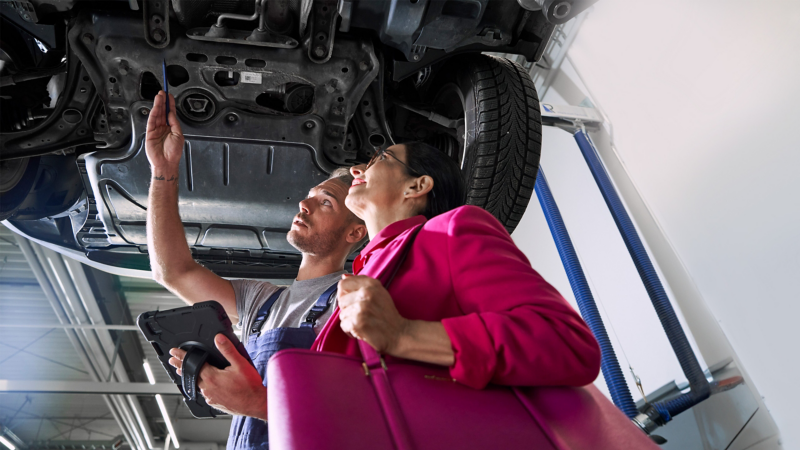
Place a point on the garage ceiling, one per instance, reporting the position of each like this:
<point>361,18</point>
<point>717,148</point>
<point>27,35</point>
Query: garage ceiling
<point>30,351</point>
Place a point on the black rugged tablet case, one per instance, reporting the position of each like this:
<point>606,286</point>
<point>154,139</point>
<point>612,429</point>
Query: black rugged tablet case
<point>191,328</point>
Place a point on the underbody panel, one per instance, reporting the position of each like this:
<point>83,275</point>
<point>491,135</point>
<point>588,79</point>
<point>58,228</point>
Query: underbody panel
<point>235,191</point>
<point>208,77</point>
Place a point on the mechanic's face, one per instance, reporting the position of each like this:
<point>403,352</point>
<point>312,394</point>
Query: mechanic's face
<point>320,226</point>
<point>379,186</point>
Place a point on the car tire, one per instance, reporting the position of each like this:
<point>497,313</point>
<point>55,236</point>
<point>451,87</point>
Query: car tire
<point>499,143</point>
<point>16,181</point>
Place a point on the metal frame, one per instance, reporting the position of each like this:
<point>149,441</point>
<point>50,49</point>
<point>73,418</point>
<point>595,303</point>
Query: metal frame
<point>70,326</point>
<point>711,340</point>
<point>111,444</point>
<point>85,387</point>
<point>721,412</point>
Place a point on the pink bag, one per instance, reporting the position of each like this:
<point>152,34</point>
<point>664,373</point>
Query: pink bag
<point>322,400</point>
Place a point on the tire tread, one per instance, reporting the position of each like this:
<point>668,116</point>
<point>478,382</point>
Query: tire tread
<point>507,148</point>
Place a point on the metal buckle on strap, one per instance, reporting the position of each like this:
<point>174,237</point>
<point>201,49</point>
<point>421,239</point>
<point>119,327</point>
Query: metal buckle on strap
<point>256,328</point>
<point>383,365</point>
<point>320,306</point>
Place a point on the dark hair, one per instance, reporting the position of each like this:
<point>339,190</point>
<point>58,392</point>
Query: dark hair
<point>448,185</point>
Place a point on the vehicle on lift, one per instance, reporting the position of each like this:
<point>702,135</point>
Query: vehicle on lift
<point>272,95</point>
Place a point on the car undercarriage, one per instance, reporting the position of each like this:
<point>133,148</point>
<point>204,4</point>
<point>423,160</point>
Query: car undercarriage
<point>272,96</point>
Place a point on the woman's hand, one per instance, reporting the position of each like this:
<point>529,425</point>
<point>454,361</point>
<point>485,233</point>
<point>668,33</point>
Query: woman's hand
<point>163,143</point>
<point>367,312</point>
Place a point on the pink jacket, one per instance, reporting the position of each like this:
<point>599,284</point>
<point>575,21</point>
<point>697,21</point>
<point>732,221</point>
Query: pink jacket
<point>508,326</point>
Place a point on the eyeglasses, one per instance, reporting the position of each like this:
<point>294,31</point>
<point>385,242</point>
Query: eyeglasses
<point>379,155</point>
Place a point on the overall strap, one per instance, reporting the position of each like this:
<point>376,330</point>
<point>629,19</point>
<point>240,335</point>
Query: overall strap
<point>319,308</point>
<point>263,312</point>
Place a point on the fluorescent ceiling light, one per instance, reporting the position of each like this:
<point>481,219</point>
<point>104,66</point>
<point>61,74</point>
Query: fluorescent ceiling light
<point>163,409</point>
<point>149,372</point>
<point>141,422</point>
<point>11,446</point>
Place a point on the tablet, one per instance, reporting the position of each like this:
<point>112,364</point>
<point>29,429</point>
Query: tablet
<point>191,328</point>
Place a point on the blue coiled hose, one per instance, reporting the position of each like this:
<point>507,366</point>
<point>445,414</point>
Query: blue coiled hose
<point>612,373</point>
<point>700,389</point>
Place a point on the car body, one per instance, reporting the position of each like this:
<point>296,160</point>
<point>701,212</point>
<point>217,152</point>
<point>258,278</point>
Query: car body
<point>272,96</point>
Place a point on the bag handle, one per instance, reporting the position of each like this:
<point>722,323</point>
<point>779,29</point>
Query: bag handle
<point>371,357</point>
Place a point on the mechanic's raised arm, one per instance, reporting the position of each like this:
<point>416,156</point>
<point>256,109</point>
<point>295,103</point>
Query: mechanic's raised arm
<point>170,258</point>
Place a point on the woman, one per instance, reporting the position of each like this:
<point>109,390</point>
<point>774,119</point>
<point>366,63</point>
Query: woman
<point>465,297</point>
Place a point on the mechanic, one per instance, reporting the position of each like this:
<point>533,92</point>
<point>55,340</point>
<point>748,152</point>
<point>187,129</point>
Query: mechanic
<point>324,231</point>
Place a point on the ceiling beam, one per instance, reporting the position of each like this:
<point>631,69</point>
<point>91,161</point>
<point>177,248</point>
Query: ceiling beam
<point>112,444</point>
<point>70,326</point>
<point>86,387</point>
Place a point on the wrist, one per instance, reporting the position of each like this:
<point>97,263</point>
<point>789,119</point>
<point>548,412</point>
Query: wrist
<point>164,173</point>
<point>403,341</point>
<point>424,341</point>
<point>259,405</point>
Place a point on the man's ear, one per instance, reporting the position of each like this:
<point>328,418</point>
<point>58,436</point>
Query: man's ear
<point>419,187</point>
<point>357,233</point>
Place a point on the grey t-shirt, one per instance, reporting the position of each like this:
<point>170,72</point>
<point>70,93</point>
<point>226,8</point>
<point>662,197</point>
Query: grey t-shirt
<point>291,308</point>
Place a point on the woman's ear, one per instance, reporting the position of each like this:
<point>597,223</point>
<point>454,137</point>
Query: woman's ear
<point>419,187</point>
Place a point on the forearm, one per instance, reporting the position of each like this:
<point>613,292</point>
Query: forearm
<point>425,341</point>
<point>166,241</point>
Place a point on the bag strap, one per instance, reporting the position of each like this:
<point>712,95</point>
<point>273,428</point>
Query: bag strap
<point>393,414</point>
<point>371,357</point>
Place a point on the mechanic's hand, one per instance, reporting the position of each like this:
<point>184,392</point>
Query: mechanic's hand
<point>238,389</point>
<point>163,144</point>
<point>367,312</point>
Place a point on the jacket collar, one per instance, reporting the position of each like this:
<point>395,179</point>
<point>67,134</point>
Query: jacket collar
<point>385,236</point>
<point>391,232</point>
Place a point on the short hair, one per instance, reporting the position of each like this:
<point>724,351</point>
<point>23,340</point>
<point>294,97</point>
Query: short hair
<point>343,175</point>
<point>449,190</point>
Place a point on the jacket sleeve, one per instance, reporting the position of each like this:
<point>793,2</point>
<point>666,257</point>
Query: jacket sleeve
<point>516,330</point>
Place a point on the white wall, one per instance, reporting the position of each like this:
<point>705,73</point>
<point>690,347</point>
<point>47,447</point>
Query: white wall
<point>627,312</point>
<point>704,97</point>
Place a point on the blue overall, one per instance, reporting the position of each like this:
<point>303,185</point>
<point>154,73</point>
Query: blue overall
<point>249,433</point>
